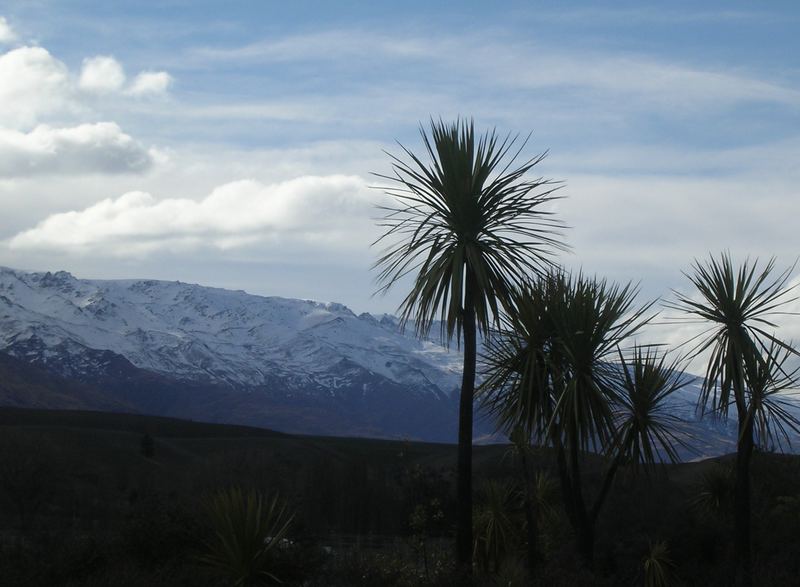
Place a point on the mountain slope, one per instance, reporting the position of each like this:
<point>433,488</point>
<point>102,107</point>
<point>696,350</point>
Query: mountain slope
<point>184,350</point>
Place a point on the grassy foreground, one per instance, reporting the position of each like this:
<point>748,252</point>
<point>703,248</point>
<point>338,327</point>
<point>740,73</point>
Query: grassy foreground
<point>99,499</point>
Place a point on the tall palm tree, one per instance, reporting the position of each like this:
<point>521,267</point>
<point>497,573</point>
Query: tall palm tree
<point>746,364</point>
<point>467,225</point>
<point>549,373</point>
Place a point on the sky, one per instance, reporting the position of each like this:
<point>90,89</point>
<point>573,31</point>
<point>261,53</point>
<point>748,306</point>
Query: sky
<point>233,144</point>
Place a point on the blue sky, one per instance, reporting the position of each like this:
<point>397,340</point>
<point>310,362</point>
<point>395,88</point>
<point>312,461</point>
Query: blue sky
<point>231,144</point>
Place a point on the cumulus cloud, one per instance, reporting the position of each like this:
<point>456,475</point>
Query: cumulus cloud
<point>105,75</point>
<point>7,34</point>
<point>37,87</point>
<point>93,148</point>
<point>101,74</point>
<point>34,84</point>
<point>150,83</point>
<point>329,211</point>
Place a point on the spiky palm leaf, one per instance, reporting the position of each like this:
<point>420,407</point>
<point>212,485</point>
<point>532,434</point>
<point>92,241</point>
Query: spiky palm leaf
<point>518,360</point>
<point>658,566</point>
<point>547,369</point>
<point>470,215</point>
<point>738,305</point>
<point>714,491</point>
<point>497,532</point>
<point>590,323</point>
<point>544,491</point>
<point>644,426</point>
<point>246,528</point>
<point>767,379</point>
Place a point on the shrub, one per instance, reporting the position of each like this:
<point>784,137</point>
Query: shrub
<point>246,529</point>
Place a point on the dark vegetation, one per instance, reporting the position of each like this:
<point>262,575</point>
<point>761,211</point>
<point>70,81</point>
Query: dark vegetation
<point>82,504</point>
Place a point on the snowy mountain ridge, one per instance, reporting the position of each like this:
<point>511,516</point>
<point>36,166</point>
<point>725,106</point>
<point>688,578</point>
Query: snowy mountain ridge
<point>208,334</point>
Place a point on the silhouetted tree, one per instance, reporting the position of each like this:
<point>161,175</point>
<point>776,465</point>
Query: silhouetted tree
<point>467,225</point>
<point>550,376</point>
<point>746,366</point>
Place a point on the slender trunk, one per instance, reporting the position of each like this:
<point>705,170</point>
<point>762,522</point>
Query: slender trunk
<point>584,529</point>
<point>531,515</point>
<point>579,518</point>
<point>464,491</point>
<point>566,486</point>
<point>608,481</point>
<point>741,495</point>
<point>741,503</point>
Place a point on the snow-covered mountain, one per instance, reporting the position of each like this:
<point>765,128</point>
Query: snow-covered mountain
<point>178,349</point>
<point>205,334</point>
<point>241,346</point>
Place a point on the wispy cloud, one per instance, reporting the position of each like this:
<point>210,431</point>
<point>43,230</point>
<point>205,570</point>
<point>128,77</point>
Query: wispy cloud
<point>478,59</point>
<point>637,16</point>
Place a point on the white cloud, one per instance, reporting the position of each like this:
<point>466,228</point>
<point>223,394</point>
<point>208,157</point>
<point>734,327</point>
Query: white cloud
<point>105,75</point>
<point>7,34</point>
<point>101,74</point>
<point>34,84</point>
<point>320,212</point>
<point>37,87</point>
<point>86,148</point>
<point>149,83</point>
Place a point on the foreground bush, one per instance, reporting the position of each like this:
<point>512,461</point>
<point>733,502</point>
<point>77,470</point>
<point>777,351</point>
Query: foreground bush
<point>247,528</point>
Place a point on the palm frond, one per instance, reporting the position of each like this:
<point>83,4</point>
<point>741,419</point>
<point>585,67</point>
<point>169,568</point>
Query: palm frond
<point>738,304</point>
<point>644,427</point>
<point>519,360</point>
<point>593,320</point>
<point>468,210</point>
<point>548,369</point>
<point>767,379</point>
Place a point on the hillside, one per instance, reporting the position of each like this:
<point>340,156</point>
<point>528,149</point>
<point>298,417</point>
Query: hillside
<point>95,510</point>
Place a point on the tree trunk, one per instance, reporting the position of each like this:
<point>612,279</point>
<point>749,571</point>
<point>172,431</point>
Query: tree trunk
<point>741,503</point>
<point>608,481</point>
<point>531,513</point>
<point>584,529</point>
<point>464,517</point>
<point>566,486</point>
<point>572,491</point>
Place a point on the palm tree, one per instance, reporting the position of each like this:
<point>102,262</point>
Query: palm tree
<point>549,373</point>
<point>746,365</point>
<point>467,225</point>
